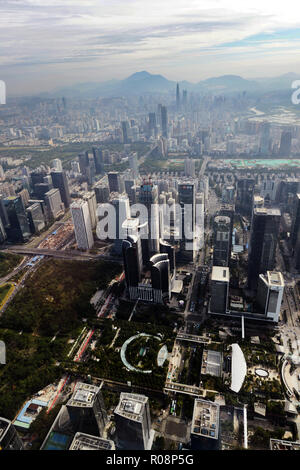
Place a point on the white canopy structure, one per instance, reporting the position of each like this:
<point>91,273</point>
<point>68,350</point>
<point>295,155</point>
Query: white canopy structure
<point>238,368</point>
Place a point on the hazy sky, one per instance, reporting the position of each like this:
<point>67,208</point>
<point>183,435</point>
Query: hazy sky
<point>45,44</point>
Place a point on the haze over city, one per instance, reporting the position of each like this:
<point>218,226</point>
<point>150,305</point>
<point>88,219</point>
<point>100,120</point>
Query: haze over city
<point>49,44</point>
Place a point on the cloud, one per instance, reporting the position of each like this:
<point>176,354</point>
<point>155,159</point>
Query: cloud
<point>117,37</point>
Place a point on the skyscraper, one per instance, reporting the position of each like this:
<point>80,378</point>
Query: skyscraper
<point>9,439</point>
<point>84,413</point>
<point>122,211</point>
<point>35,217</point>
<point>57,164</point>
<point>187,202</point>
<point>205,431</point>
<point>82,225</point>
<point>133,264</point>
<point>54,204</point>
<point>285,144</point>
<point>90,198</point>
<point>133,422</point>
<point>114,182</point>
<point>244,195</point>
<point>177,97</point>
<point>59,180</point>
<point>148,196</point>
<point>222,237</point>
<point>17,228</point>
<point>125,132</point>
<point>219,289</point>
<point>164,121</point>
<point>265,138</point>
<point>133,164</point>
<point>98,158</point>
<point>263,243</point>
<point>269,294</point>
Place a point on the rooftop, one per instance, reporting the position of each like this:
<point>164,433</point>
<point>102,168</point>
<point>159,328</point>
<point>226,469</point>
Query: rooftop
<point>219,273</point>
<point>238,368</point>
<point>267,211</point>
<point>206,419</point>
<point>275,278</point>
<point>83,441</point>
<point>131,406</point>
<point>84,395</point>
<point>278,444</point>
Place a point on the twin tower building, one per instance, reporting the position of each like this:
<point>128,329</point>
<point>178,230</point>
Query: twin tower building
<point>149,261</point>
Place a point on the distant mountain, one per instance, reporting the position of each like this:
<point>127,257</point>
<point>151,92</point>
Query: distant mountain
<point>229,83</point>
<point>145,82</point>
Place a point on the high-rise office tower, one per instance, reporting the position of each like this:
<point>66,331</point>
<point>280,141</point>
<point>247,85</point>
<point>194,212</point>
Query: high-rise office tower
<point>165,247</point>
<point>131,190</point>
<point>164,121</point>
<point>187,202</point>
<point>98,158</point>
<point>90,198</point>
<point>133,264</point>
<point>177,97</point>
<point>82,225</point>
<point>57,164</point>
<point>40,189</point>
<point>114,182</point>
<point>133,422</point>
<point>222,241</point>
<point>59,180</point>
<point>54,204</point>
<point>265,138</point>
<point>9,439</point>
<point>86,407</point>
<point>189,167</point>
<point>269,294</point>
<point>83,162</point>
<point>205,431</point>
<point>148,196</point>
<point>219,289</point>
<point>295,236</point>
<point>122,211</point>
<point>296,220</point>
<point>285,144</point>
<point>152,124</point>
<point>37,176</point>
<point>36,217</point>
<point>125,132</point>
<point>17,229</point>
<point>133,164</point>
<point>160,278</point>
<point>244,195</point>
<point>75,167</point>
<point>184,98</point>
<point>84,413</point>
<point>102,193</point>
<point>3,235</point>
<point>263,243</point>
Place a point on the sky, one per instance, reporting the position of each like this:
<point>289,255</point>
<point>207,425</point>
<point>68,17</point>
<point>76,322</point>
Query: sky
<point>48,44</point>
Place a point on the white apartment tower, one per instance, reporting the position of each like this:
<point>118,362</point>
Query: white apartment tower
<point>82,224</point>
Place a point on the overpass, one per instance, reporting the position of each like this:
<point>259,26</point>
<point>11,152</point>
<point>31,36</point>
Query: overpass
<point>63,254</point>
<point>192,338</point>
<point>182,388</point>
